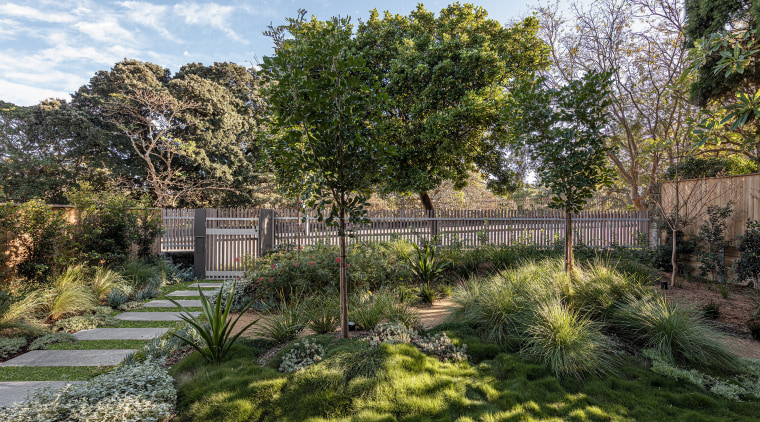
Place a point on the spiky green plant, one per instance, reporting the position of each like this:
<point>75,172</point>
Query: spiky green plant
<point>215,332</point>
<point>598,288</point>
<point>322,313</point>
<point>105,280</point>
<point>568,344</point>
<point>675,332</point>
<point>369,309</point>
<point>283,322</point>
<point>68,295</point>
<point>426,267</point>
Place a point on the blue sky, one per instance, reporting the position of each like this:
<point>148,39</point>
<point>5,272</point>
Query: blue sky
<point>49,48</point>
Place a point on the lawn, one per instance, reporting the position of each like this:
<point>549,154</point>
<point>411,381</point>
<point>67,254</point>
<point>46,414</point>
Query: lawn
<point>397,382</point>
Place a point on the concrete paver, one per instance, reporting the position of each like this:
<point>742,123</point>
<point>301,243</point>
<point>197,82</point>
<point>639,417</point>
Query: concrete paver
<point>202,285</point>
<point>191,293</point>
<point>120,333</point>
<point>160,303</point>
<point>109,357</point>
<point>153,316</point>
<point>17,391</point>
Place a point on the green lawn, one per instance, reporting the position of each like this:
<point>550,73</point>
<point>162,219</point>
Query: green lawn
<point>397,382</point>
<point>49,373</point>
<point>98,344</point>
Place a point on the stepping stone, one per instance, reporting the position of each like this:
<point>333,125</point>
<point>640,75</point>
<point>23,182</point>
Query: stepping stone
<point>108,357</point>
<point>202,285</point>
<point>168,304</point>
<point>17,391</point>
<point>191,293</point>
<point>121,333</point>
<point>152,316</point>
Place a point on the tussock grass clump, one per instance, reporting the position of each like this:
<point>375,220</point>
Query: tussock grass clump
<point>370,309</point>
<point>322,313</point>
<point>105,281</point>
<point>567,343</point>
<point>675,332</point>
<point>69,295</point>
<point>598,288</point>
<point>16,313</point>
<point>283,322</point>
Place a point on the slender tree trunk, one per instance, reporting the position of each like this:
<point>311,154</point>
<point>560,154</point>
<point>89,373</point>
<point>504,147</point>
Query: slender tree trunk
<point>427,203</point>
<point>343,281</point>
<point>674,262</point>
<point>568,242</point>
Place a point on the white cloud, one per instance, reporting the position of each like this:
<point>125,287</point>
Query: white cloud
<point>209,14</point>
<point>106,29</point>
<point>10,9</point>
<point>150,15</point>
<point>26,95</point>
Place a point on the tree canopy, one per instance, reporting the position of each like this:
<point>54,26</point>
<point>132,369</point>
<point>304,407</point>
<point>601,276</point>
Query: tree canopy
<point>447,78</point>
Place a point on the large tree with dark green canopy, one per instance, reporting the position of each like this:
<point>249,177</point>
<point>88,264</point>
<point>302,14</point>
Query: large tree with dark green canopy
<point>447,77</point>
<point>189,139</point>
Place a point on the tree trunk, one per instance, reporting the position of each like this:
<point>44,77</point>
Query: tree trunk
<point>674,261</point>
<point>568,242</point>
<point>343,281</point>
<point>427,203</point>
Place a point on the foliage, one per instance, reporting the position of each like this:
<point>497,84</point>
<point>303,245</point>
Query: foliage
<point>599,288</point>
<point>142,392</point>
<point>674,332</point>
<point>748,266</point>
<point>41,234</point>
<point>440,345</point>
<point>315,269</point>
<point>160,348</point>
<point>426,267</point>
<point>9,346</point>
<point>754,329</point>
<point>711,310</point>
<point>567,343</point>
<point>322,313</point>
<point>711,239</point>
<point>43,342</point>
<point>16,312</point>
<point>445,77</point>
<point>369,309</point>
<point>215,329</point>
<point>283,322</point>
<point>427,294</point>
<point>392,333</point>
<point>117,298</point>
<point>301,356</point>
<point>397,381</point>
<point>109,222</point>
<point>85,322</point>
<point>105,281</point>
<point>748,386</point>
<point>325,107</point>
<point>697,167</point>
<point>564,130</point>
<point>69,294</point>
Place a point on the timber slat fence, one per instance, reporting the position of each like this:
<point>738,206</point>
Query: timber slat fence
<point>466,227</point>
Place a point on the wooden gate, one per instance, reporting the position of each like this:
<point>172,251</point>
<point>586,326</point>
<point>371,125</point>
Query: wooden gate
<point>231,235</point>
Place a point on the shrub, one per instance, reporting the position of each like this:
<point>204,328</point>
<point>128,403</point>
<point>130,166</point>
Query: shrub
<point>754,329</point>
<point>160,348</point>
<point>41,235</point>
<point>674,332</point>
<point>170,274</point>
<point>142,392</point>
<point>322,313</point>
<point>598,288</point>
<point>426,267</point>
<point>427,294</point>
<point>315,270</point>
<point>43,342</point>
<point>570,345</point>
<point>16,312</point>
<point>301,356</point>
<point>116,298</point>
<point>109,223</point>
<point>748,266</point>
<point>369,309</point>
<point>283,322</point>
<point>105,281</point>
<point>440,345</point>
<point>711,310</point>
<point>711,239</point>
<point>85,322</point>
<point>215,327</point>
<point>140,274</point>
<point>391,333</point>
<point>9,346</point>
<point>68,295</point>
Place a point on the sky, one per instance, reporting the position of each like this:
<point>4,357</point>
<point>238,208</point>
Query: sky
<point>49,48</point>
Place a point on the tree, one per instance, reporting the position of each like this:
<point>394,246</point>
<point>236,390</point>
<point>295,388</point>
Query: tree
<point>641,43</point>
<point>447,78</point>
<point>564,130</point>
<point>201,124</point>
<point>46,149</point>
<point>325,110</point>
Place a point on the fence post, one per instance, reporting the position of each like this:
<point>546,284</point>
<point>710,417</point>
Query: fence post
<point>266,231</point>
<point>199,254</point>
